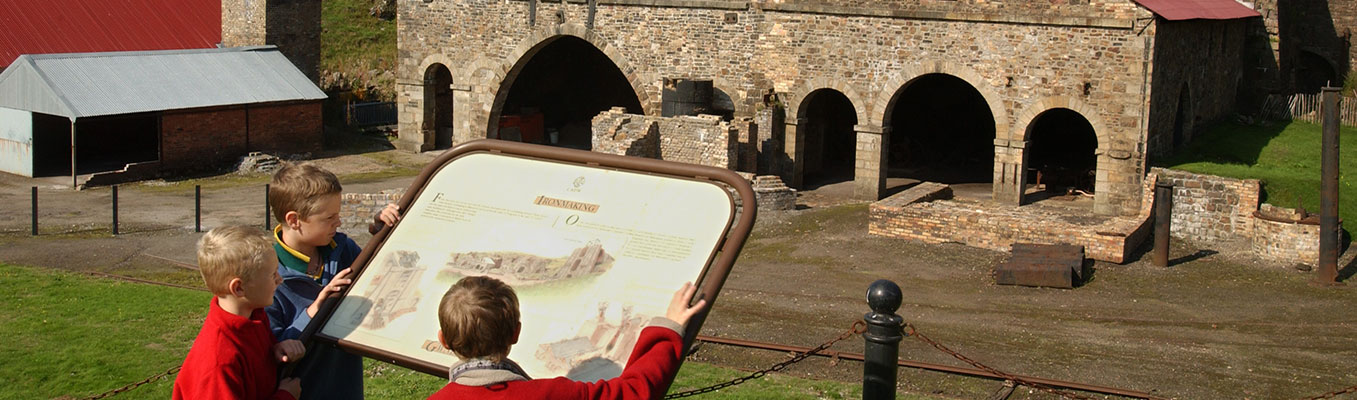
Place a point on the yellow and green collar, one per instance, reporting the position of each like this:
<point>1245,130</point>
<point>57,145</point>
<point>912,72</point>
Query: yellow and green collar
<point>293,259</point>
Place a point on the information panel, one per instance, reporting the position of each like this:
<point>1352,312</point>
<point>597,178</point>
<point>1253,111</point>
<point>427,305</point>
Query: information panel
<point>593,253</point>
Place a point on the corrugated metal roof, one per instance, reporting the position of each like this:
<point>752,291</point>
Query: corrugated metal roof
<point>1178,10</point>
<point>73,26</point>
<point>92,84</point>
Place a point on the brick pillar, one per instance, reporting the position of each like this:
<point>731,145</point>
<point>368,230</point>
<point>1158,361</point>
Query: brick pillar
<point>869,166</point>
<point>795,149</point>
<point>1010,167</point>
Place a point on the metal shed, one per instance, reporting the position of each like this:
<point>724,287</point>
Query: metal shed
<point>103,110</point>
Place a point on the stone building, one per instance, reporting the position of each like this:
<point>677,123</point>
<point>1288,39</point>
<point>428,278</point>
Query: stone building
<point>950,91</point>
<point>291,25</point>
<point>1311,42</point>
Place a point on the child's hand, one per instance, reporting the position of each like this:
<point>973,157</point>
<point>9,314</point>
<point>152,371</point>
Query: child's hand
<point>336,285</point>
<point>390,214</point>
<point>289,350</point>
<point>679,311</point>
<point>291,385</point>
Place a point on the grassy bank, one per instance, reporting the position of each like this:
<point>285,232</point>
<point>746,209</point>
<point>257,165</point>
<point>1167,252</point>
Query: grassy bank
<point>1285,157</point>
<point>359,46</point>
<point>70,335</point>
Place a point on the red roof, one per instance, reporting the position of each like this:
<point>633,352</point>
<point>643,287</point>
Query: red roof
<point>1177,10</point>
<point>80,26</point>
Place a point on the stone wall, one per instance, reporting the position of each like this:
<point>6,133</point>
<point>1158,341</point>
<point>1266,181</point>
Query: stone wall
<point>1210,209</point>
<point>1204,65</point>
<point>703,140</point>
<point>1320,28</point>
<point>1023,57</point>
<point>292,25</point>
<point>993,227</point>
<point>356,210</point>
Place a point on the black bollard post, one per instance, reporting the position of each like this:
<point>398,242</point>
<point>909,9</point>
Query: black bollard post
<point>197,208</point>
<point>267,220</point>
<point>115,210</point>
<point>35,211</point>
<point>883,335</point>
<point>1163,221</point>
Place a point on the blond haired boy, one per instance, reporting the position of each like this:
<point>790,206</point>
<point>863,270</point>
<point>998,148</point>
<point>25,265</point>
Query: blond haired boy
<point>479,321</point>
<point>313,260</point>
<point>234,355</point>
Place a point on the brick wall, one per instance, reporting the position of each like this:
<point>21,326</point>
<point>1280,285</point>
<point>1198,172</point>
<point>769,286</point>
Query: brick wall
<point>703,140</point>
<point>1281,235</point>
<point>286,128</point>
<point>1211,209</point>
<point>208,138</point>
<point>202,138</point>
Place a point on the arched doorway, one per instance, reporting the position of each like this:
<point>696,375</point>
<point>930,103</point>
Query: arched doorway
<point>827,119</point>
<point>557,90</point>
<point>1314,72</point>
<point>1062,156</point>
<point>941,130</point>
<point>438,104</point>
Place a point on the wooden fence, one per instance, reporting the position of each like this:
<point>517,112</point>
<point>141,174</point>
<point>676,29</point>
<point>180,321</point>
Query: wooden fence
<point>1306,107</point>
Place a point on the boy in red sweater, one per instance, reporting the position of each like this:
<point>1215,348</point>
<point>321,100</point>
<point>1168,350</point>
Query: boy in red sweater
<point>479,321</point>
<point>234,356</point>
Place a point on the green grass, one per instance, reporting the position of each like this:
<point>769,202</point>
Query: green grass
<point>1285,157</point>
<point>71,335</point>
<point>354,43</point>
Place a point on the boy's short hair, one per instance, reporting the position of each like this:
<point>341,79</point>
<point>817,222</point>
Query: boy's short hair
<point>300,187</point>
<point>478,316</point>
<point>233,252</point>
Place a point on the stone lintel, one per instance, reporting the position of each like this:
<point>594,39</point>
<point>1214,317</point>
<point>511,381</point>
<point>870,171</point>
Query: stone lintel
<point>1010,18</point>
<point>872,129</point>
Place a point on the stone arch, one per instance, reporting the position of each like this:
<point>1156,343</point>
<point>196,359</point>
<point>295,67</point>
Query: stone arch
<point>737,97</point>
<point>1100,130</point>
<point>542,36</point>
<point>796,98</point>
<point>1023,131</point>
<point>880,105</point>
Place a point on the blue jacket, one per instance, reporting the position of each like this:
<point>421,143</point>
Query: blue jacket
<point>326,371</point>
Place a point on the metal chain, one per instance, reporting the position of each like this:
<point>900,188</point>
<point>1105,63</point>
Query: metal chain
<point>857,328</point>
<point>1330,395</point>
<point>908,330</point>
<point>153,378</point>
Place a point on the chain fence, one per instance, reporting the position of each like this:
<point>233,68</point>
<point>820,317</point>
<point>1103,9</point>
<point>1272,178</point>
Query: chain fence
<point>857,328</point>
<point>135,385</point>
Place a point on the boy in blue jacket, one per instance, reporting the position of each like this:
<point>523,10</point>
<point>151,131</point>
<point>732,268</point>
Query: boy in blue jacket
<point>313,260</point>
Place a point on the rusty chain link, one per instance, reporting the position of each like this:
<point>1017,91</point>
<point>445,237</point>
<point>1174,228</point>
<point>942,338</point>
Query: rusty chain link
<point>908,330</point>
<point>129,387</point>
<point>1330,395</point>
<point>857,328</point>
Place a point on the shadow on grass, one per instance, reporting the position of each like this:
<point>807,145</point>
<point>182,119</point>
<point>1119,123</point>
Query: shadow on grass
<point>1226,143</point>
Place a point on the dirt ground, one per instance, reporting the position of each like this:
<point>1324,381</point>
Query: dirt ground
<point>1213,325</point>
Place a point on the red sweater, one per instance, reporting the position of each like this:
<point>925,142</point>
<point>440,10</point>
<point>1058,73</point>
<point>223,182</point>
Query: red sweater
<point>232,358</point>
<point>653,364</point>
